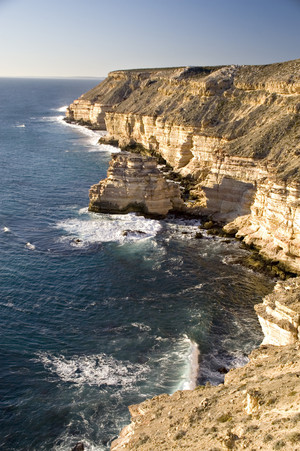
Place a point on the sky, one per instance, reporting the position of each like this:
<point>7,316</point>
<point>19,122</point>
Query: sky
<point>89,38</point>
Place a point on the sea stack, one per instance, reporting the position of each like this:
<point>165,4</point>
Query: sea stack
<point>134,183</point>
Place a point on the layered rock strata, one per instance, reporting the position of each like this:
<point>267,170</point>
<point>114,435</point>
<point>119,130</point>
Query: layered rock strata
<point>279,314</point>
<point>233,130</point>
<point>257,407</point>
<point>134,183</point>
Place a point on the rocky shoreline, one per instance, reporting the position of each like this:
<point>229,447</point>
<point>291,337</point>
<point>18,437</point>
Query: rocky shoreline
<point>257,407</point>
<point>231,131</point>
<point>231,134</point>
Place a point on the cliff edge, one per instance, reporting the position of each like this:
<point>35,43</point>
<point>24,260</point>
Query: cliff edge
<point>231,131</point>
<point>257,407</point>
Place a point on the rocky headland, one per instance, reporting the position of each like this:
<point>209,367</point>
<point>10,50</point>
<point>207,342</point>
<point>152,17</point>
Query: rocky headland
<point>231,136</point>
<point>231,132</point>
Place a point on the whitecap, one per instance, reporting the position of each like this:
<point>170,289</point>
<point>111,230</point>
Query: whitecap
<point>188,349</point>
<point>197,287</point>
<point>6,229</point>
<point>101,228</point>
<point>21,126</point>
<point>105,148</point>
<point>52,119</point>
<point>141,326</point>
<point>97,369</point>
<point>30,246</point>
<point>93,137</point>
<point>159,338</point>
<point>192,366</point>
<point>179,365</point>
<point>61,109</point>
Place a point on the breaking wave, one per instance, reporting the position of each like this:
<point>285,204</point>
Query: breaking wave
<point>190,373</point>
<point>61,109</point>
<point>101,228</point>
<point>98,369</point>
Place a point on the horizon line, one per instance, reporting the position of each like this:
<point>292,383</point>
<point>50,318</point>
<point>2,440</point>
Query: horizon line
<point>54,76</point>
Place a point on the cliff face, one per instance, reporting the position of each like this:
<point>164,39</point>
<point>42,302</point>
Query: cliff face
<point>233,130</point>
<point>279,314</point>
<point>134,183</point>
<point>257,407</point>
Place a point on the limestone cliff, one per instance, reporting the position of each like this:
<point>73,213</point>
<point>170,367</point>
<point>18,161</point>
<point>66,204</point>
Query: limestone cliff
<point>279,314</point>
<point>134,183</point>
<point>257,407</point>
<point>232,130</point>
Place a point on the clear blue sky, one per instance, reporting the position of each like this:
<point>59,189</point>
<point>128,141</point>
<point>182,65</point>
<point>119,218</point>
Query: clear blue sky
<point>93,37</point>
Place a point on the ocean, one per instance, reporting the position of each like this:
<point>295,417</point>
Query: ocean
<point>94,319</point>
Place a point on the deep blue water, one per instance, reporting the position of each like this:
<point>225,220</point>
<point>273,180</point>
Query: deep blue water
<point>90,327</point>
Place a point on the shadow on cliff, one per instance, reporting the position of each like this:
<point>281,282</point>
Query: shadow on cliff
<point>229,199</point>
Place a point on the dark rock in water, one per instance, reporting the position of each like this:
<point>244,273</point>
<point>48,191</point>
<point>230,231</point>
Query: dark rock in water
<point>78,447</point>
<point>208,225</point>
<point>223,370</point>
<point>198,235</point>
<point>226,241</point>
<point>133,232</point>
<point>77,240</point>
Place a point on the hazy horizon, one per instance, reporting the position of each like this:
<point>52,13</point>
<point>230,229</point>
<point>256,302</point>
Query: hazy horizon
<point>73,39</point>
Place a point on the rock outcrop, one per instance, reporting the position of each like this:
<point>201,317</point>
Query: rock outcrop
<point>134,183</point>
<point>232,130</point>
<point>279,314</point>
<point>257,407</point>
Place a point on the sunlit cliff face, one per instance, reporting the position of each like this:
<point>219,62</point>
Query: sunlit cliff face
<point>232,130</point>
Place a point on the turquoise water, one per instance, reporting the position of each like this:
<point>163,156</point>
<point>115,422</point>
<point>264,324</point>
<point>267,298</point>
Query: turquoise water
<point>90,327</point>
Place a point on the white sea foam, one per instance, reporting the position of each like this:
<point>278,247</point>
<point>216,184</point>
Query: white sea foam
<point>30,246</point>
<point>51,119</point>
<point>189,378</point>
<point>179,366</point>
<point>61,109</point>
<point>141,326</point>
<point>98,369</point>
<point>105,148</point>
<point>65,442</point>
<point>101,228</point>
<point>197,287</point>
<point>182,228</point>
<point>92,135</point>
<point>21,126</point>
<point>6,229</point>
